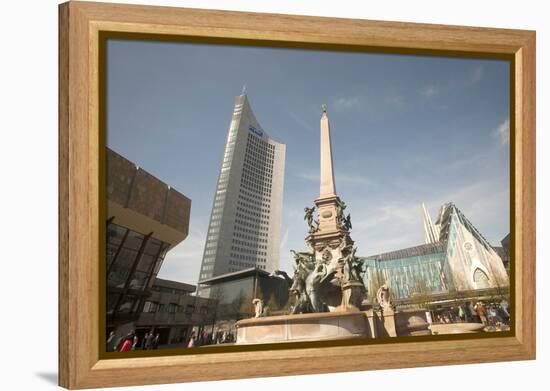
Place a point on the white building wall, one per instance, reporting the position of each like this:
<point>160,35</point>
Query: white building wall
<point>465,254</point>
<point>247,175</point>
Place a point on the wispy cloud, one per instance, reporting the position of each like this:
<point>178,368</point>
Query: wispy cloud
<point>398,224</point>
<point>437,88</point>
<point>347,178</point>
<point>300,121</point>
<point>284,240</point>
<point>395,99</point>
<point>428,91</point>
<point>183,262</point>
<point>398,213</point>
<point>387,227</point>
<point>475,76</point>
<point>309,176</point>
<point>353,179</point>
<point>293,212</point>
<point>347,103</point>
<point>502,132</point>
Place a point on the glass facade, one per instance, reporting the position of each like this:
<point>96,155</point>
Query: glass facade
<point>418,270</point>
<point>133,260</point>
<point>234,293</point>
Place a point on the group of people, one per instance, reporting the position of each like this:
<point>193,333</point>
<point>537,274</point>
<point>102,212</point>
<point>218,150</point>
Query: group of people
<point>494,314</point>
<point>206,338</point>
<point>131,342</point>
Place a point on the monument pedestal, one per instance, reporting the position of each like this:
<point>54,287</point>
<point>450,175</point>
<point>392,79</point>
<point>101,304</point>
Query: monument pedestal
<point>387,315</point>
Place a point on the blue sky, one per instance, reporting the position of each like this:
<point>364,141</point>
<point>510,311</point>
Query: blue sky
<point>405,130</point>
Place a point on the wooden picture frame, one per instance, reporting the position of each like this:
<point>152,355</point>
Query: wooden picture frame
<point>80,162</point>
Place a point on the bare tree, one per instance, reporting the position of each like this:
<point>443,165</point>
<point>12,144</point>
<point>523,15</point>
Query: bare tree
<point>421,295</point>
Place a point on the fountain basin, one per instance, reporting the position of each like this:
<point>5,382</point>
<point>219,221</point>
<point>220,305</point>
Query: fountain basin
<point>303,327</point>
<point>456,328</point>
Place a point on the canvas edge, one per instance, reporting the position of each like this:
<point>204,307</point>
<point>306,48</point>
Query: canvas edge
<point>81,368</point>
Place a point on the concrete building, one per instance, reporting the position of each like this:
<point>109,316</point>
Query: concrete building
<point>145,219</point>
<point>173,312</point>
<point>456,260</point>
<point>245,222</point>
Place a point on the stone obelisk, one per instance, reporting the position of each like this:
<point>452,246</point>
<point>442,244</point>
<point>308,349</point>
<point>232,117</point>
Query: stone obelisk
<point>328,187</point>
<point>331,236</point>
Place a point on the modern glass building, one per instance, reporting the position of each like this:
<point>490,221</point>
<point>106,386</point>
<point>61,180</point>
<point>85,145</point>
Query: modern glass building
<point>455,258</point>
<point>245,222</point>
<point>235,291</point>
<point>412,270</point>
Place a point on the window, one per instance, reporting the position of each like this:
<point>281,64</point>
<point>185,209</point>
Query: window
<point>189,309</point>
<point>172,308</point>
<point>134,240</point>
<point>111,302</point>
<point>138,281</point>
<point>121,268</point>
<point>129,304</point>
<point>150,306</point>
<point>481,280</point>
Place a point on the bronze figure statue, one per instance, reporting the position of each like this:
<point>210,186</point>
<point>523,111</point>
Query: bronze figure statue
<point>308,217</point>
<point>340,207</point>
<point>346,225</point>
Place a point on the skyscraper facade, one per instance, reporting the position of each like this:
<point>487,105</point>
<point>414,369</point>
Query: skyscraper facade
<point>245,222</point>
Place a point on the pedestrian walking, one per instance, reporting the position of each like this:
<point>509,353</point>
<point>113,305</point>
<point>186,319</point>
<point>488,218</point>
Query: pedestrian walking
<point>135,341</point>
<point>191,343</point>
<point>504,307</point>
<point>111,342</point>
<point>461,313</point>
<point>144,341</point>
<point>127,344</point>
<point>156,341</point>
<point>480,310</point>
<point>149,342</point>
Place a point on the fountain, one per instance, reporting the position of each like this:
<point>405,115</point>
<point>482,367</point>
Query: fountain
<point>327,280</point>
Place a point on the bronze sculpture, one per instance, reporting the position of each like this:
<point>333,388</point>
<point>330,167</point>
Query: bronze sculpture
<point>308,216</point>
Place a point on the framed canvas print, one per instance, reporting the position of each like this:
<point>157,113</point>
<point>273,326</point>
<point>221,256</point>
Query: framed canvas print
<point>278,194</point>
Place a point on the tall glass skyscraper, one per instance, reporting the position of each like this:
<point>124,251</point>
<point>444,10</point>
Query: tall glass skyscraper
<point>245,223</point>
